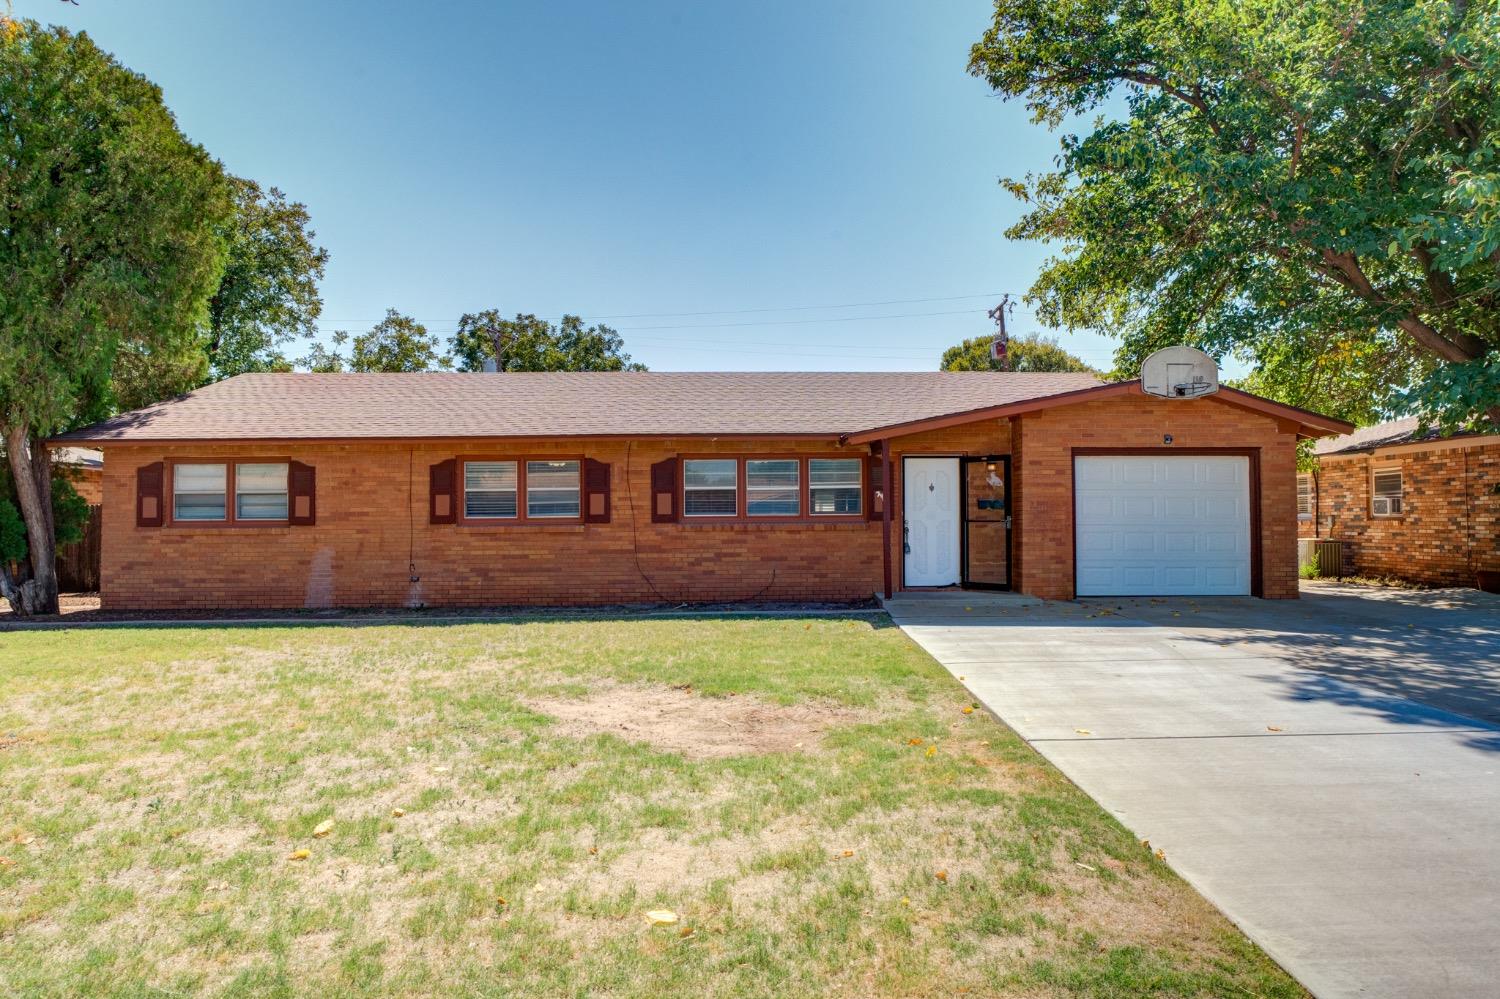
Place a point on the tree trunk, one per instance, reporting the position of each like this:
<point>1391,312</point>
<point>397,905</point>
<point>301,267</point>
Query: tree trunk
<point>31,468</point>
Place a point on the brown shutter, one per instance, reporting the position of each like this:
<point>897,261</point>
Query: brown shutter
<point>595,492</point>
<point>664,492</point>
<point>148,494</point>
<point>443,506</point>
<point>874,502</point>
<point>302,494</point>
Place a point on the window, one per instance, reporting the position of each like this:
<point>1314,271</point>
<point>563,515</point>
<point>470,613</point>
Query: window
<point>552,489</point>
<point>198,492</point>
<point>834,485</point>
<point>710,487</point>
<point>1385,496</point>
<point>489,489</point>
<point>1305,489</point>
<point>260,491</point>
<point>773,487</point>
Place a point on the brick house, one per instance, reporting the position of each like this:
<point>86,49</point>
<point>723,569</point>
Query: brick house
<point>350,490</point>
<point>1407,505</point>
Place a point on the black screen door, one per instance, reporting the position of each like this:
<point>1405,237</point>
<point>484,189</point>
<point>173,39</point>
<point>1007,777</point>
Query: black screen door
<point>986,534</point>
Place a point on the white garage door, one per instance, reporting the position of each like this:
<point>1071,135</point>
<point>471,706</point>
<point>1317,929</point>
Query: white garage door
<point>1162,526</point>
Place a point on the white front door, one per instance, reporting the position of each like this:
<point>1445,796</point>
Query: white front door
<point>929,496</point>
<point>1170,525</point>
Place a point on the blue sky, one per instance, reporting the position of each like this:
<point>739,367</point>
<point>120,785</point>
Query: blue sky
<point>690,173</point>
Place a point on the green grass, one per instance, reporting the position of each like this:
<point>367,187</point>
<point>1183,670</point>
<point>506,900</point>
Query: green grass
<point>156,781</point>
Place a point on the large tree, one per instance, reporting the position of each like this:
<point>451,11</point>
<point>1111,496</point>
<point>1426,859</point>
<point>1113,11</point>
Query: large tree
<point>109,251</point>
<point>1313,187</point>
<point>1031,352</point>
<point>528,343</point>
<point>268,296</point>
<point>396,343</point>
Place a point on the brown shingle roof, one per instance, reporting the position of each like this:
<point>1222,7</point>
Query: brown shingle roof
<point>1395,432</point>
<point>454,404</point>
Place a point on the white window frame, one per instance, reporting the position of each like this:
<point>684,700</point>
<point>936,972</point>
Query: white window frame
<point>796,487</point>
<point>576,489</point>
<point>223,492</point>
<point>1307,481</point>
<point>859,489</point>
<point>514,490</point>
<point>285,492</point>
<point>1387,504</point>
<point>687,490</point>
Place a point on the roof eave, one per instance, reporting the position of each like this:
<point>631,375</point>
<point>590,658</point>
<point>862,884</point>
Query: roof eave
<point>1309,424</point>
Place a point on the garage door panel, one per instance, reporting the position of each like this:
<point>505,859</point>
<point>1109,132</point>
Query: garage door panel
<point>1177,524</point>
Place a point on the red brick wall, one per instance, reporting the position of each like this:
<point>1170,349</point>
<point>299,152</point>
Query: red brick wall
<point>1046,467</point>
<point>373,523</point>
<point>1449,526</point>
<point>88,482</point>
<point>358,553</point>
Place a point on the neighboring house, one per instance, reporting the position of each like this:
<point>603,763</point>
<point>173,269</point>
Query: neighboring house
<point>1408,505</point>
<point>291,490</point>
<point>85,469</point>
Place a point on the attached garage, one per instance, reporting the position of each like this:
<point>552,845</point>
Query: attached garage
<point>1163,525</point>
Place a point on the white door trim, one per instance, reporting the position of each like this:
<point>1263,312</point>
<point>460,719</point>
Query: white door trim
<point>930,516</point>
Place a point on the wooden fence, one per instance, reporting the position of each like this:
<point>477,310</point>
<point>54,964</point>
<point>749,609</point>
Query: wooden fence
<point>78,563</point>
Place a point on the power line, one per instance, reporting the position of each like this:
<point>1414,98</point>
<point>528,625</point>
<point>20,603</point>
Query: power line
<point>718,312</point>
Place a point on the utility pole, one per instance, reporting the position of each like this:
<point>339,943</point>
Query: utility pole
<point>1000,346</point>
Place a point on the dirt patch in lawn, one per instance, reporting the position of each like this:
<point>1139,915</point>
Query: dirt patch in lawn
<point>699,727</point>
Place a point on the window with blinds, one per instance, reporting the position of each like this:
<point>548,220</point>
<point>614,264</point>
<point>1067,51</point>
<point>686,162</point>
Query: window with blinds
<point>260,491</point>
<point>1385,492</point>
<point>490,490</point>
<point>198,491</point>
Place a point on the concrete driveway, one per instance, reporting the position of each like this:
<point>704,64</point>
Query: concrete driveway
<point>1302,763</point>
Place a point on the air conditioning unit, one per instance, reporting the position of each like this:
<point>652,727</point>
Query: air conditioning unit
<point>1384,506</point>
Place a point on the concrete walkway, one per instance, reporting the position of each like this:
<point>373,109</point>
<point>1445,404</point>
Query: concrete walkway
<point>1351,832</point>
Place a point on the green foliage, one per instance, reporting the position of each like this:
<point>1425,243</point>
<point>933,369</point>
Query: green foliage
<point>268,296</point>
<point>111,247</point>
<point>13,546</point>
<point>1032,352</point>
<point>396,343</point>
<point>70,512</point>
<point>528,343</point>
<point>1309,569</point>
<point>1458,397</point>
<point>1313,188</point>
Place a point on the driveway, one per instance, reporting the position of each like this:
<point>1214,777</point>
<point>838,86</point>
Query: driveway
<point>1304,764</point>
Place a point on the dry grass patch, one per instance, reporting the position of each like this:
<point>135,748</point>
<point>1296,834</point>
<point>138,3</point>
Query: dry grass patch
<point>507,800</point>
<point>678,720</point>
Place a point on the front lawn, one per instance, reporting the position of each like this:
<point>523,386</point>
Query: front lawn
<point>507,801</point>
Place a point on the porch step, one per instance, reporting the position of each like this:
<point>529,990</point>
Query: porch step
<point>954,603</point>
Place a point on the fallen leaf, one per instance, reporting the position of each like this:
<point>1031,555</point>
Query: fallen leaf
<point>942,876</point>
<point>848,853</point>
<point>500,900</point>
<point>931,750</point>
<point>968,709</point>
<point>661,917</point>
<point>1273,728</point>
<point>685,932</point>
<point>24,840</point>
<point>322,828</point>
<point>913,742</point>
<point>1161,855</point>
<point>1083,731</point>
<point>7,862</point>
<point>1079,863</point>
<point>397,812</point>
<point>439,770</point>
<point>299,855</point>
<point>906,901</point>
